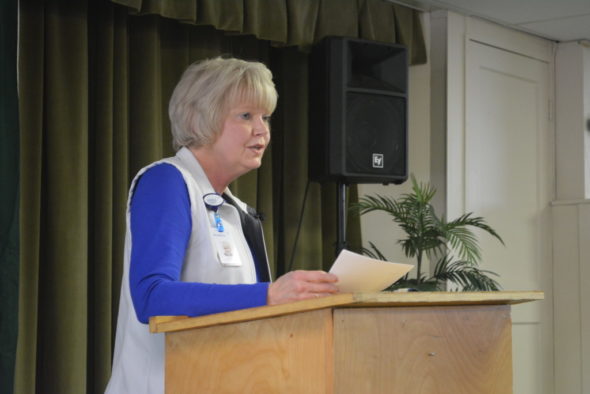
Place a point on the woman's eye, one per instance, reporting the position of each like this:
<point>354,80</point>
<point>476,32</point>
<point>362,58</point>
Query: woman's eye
<point>266,118</point>
<point>246,116</point>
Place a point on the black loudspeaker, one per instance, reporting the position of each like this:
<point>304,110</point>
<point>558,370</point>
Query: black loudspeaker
<point>358,111</point>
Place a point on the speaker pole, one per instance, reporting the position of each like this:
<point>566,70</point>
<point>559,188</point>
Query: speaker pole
<point>341,204</point>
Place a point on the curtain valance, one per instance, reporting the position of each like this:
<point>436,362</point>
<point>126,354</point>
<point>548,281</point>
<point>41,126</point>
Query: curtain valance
<point>297,22</point>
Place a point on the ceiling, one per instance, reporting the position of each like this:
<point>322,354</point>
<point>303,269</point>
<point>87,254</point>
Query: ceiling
<point>558,20</point>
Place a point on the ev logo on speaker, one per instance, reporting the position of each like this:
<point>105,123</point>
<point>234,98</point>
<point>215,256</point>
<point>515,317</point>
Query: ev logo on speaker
<point>377,160</point>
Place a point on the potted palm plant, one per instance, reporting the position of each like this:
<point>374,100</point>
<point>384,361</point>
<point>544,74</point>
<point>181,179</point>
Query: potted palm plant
<point>452,244</point>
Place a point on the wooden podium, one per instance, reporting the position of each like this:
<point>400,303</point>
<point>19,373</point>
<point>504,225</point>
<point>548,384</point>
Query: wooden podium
<point>348,343</point>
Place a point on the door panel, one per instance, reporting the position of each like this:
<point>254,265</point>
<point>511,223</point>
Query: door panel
<point>507,180</point>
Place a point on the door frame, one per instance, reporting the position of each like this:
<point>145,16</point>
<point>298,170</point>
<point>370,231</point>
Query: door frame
<point>450,34</point>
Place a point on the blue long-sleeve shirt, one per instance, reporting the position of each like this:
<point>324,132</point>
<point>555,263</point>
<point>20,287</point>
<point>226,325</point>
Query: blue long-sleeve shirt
<point>161,227</point>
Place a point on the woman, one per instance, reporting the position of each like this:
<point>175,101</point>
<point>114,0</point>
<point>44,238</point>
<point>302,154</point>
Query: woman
<point>185,250</point>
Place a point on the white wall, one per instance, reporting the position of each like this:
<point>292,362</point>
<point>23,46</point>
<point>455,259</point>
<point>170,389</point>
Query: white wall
<point>571,220</point>
<point>376,227</point>
<point>571,256</point>
<point>586,46</point>
<point>570,294</point>
<point>486,169</point>
<point>572,107</point>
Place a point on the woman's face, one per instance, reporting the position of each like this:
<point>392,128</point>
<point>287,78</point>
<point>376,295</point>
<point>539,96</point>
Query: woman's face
<point>243,139</point>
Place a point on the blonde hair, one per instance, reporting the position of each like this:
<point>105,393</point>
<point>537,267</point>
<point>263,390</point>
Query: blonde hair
<point>207,90</point>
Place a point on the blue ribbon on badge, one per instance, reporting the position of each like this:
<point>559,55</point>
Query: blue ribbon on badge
<point>213,201</point>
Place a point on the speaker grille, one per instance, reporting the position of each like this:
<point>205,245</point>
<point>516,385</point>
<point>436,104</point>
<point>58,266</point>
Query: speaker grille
<point>358,100</point>
<point>375,135</point>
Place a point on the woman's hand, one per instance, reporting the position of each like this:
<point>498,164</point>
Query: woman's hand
<point>301,285</point>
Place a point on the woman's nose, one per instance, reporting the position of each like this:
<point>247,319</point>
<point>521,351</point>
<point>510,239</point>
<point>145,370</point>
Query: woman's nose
<point>261,126</point>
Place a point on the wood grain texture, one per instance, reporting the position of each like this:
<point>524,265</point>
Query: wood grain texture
<point>351,300</point>
<point>447,349</point>
<point>286,354</point>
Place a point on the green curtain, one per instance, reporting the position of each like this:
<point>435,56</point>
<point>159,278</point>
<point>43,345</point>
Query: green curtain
<point>9,178</point>
<point>94,81</point>
<point>297,22</point>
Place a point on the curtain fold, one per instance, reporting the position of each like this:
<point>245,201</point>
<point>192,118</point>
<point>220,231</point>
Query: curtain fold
<point>30,61</point>
<point>94,83</point>
<point>290,166</point>
<point>9,185</point>
<point>108,174</point>
<point>337,18</point>
<point>376,21</point>
<point>54,159</point>
<point>297,22</point>
<point>266,20</point>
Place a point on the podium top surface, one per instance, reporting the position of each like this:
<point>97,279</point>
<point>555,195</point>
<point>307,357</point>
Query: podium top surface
<point>346,300</point>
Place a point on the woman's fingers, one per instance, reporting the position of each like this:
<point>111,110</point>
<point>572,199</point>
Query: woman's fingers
<point>301,285</point>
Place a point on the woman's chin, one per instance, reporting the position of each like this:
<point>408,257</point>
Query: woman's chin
<point>249,166</point>
<point>256,163</point>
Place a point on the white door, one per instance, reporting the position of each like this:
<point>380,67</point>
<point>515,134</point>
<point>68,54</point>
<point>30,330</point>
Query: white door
<point>508,175</point>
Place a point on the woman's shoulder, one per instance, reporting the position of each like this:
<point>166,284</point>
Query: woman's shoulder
<point>161,179</point>
<point>162,171</point>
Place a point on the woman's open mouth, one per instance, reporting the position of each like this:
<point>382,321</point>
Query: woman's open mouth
<point>257,148</point>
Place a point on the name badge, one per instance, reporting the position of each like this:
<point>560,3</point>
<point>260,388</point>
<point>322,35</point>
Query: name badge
<point>227,253</point>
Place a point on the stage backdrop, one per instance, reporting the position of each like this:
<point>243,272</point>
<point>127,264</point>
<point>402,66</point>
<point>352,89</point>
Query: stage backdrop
<point>95,79</point>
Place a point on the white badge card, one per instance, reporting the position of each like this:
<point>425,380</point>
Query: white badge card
<point>227,252</point>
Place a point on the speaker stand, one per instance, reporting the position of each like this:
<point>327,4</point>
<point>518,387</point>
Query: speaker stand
<point>341,204</point>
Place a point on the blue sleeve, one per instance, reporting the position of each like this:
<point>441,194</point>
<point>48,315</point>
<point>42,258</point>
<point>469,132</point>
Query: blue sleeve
<point>161,227</point>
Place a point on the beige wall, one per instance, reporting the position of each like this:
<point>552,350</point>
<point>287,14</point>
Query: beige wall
<point>571,220</point>
<point>571,281</point>
<point>569,292</point>
<point>572,107</point>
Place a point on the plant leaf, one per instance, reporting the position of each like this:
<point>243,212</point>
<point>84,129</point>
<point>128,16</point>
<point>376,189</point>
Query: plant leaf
<point>428,235</point>
<point>373,253</point>
<point>463,273</point>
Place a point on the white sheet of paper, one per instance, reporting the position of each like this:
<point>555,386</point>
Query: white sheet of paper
<point>361,274</point>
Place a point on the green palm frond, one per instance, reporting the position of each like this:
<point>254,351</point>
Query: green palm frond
<point>477,222</point>
<point>429,246</point>
<point>373,252</point>
<point>463,240</point>
<point>423,192</point>
<point>377,203</point>
<point>465,274</point>
<point>430,236</point>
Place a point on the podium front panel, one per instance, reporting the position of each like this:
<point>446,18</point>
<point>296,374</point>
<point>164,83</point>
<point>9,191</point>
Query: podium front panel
<point>423,350</point>
<point>285,354</point>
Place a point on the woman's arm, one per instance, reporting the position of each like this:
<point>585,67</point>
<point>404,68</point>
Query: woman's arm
<point>161,227</point>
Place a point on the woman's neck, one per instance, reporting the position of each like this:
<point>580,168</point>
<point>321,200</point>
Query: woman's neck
<point>213,170</point>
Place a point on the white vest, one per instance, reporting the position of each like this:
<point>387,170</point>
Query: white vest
<point>138,364</point>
